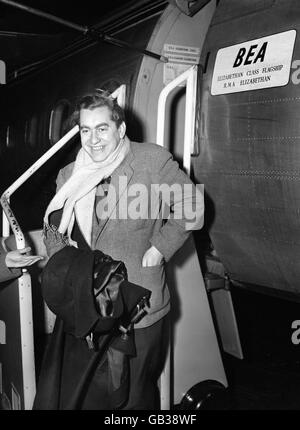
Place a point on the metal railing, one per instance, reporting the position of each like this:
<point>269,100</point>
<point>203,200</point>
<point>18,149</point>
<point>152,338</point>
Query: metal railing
<point>190,77</point>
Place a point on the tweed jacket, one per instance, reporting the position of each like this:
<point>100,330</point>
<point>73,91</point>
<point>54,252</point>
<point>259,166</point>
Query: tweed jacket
<point>126,239</point>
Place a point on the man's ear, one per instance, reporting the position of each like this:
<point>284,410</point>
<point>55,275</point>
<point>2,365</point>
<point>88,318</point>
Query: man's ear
<point>122,130</point>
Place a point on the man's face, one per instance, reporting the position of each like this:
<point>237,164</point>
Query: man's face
<point>99,133</point>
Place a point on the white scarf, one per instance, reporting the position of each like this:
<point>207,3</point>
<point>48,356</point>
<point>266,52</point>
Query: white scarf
<point>77,195</point>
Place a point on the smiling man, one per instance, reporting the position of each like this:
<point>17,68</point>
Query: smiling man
<point>100,134</point>
<point>144,243</point>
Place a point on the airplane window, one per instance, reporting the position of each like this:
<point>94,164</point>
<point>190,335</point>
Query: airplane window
<point>3,128</point>
<point>8,136</point>
<point>59,121</point>
<point>15,134</point>
<point>31,131</point>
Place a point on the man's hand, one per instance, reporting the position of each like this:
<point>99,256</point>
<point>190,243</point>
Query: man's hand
<point>152,257</point>
<point>18,258</point>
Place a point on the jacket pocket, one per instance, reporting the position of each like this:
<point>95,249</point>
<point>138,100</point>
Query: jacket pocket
<point>153,278</point>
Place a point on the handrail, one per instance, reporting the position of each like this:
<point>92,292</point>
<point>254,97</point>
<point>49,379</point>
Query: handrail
<point>10,218</point>
<point>120,95</point>
<point>24,282</point>
<point>190,76</point>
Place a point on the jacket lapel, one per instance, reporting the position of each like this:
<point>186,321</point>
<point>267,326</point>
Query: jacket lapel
<point>120,179</point>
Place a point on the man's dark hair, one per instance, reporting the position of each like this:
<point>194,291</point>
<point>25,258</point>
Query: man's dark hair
<point>99,99</point>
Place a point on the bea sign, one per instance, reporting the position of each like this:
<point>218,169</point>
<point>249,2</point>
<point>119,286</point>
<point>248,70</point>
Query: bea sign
<point>254,64</point>
<point>254,54</point>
